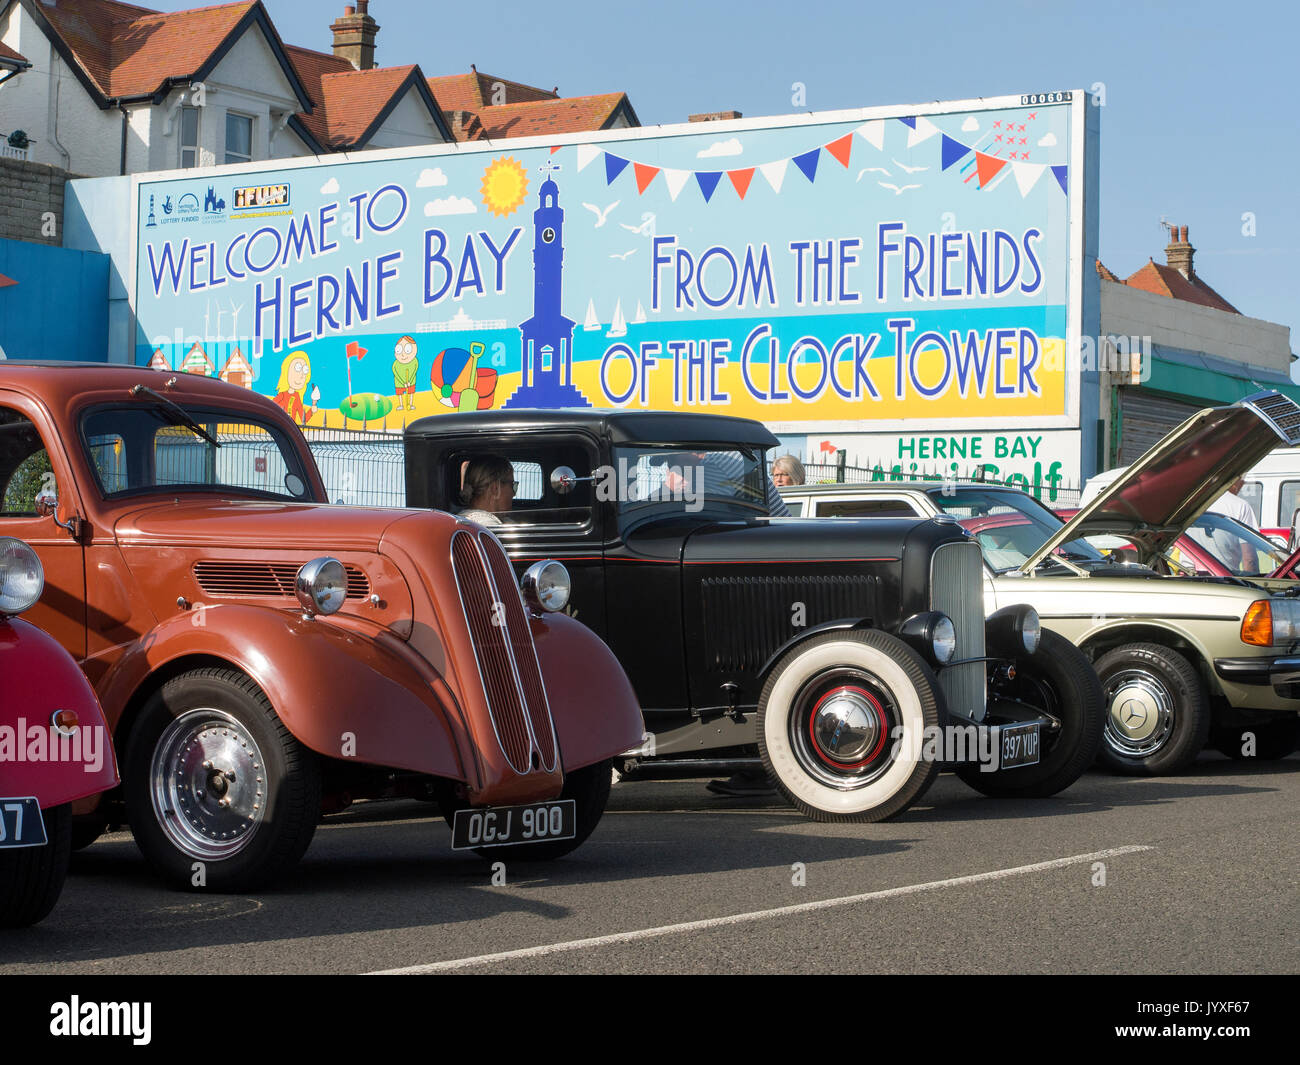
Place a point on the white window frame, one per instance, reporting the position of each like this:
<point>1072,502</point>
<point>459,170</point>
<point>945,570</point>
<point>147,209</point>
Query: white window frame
<point>236,157</point>
<point>198,139</point>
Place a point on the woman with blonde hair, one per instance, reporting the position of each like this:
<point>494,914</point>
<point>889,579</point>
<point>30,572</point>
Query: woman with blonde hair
<point>295,374</point>
<point>487,489</point>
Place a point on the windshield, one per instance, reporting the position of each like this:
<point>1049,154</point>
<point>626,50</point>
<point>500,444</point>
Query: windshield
<point>1009,526</point>
<point>679,479</point>
<point>147,446</point>
<point>1241,550</point>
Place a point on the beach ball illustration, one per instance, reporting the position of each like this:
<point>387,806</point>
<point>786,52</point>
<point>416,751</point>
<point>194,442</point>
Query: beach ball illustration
<point>459,383</point>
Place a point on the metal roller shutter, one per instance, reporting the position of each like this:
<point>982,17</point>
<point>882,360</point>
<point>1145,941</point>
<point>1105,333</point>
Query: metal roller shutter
<point>1144,419</point>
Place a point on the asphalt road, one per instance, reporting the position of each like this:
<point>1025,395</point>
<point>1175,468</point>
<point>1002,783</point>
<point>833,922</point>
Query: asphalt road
<point>1201,874</point>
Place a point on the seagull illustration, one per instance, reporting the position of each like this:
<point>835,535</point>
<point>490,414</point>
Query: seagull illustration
<point>601,215</point>
<point>895,189</point>
<point>873,170</point>
<point>624,255</point>
<point>646,228</point>
<point>909,169</point>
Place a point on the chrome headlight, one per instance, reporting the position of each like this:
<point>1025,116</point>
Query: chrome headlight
<point>933,634</point>
<point>321,585</point>
<point>1013,631</point>
<point>546,585</point>
<point>21,577</point>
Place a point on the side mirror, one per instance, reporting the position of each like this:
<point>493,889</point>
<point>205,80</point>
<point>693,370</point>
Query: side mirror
<point>47,503</point>
<point>564,480</point>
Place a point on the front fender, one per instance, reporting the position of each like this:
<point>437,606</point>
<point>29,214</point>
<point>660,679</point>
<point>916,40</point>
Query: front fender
<point>593,706</point>
<point>41,678</point>
<point>343,690</point>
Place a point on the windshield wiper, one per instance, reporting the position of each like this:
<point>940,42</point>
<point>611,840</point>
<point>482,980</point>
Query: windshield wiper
<point>181,415</point>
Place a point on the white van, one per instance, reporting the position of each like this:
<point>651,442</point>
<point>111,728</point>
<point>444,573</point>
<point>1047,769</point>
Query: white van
<point>1272,489</point>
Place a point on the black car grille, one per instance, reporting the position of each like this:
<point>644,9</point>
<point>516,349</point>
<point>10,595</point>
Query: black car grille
<point>957,589</point>
<point>747,618</point>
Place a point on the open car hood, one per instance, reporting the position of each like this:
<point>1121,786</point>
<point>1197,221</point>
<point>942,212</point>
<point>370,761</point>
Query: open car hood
<point>1170,486</point>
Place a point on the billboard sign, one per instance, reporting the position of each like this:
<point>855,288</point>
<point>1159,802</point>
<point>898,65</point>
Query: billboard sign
<point>917,270</point>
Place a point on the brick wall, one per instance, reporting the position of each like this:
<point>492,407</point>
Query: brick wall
<point>27,192</point>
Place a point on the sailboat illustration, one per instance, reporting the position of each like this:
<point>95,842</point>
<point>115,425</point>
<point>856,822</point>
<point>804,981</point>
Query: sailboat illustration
<point>618,327</point>
<point>592,321</point>
<point>640,314</point>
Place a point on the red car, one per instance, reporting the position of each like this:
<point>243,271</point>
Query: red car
<point>54,747</point>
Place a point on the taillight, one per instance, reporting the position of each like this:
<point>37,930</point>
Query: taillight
<point>1257,625</point>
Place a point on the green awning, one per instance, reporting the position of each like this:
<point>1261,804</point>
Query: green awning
<point>1209,387</point>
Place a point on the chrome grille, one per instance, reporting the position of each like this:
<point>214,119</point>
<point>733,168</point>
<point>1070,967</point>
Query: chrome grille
<point>957,589</point>
<point>499,630</point>
<point>264,578</point>
<point>1281,412</point>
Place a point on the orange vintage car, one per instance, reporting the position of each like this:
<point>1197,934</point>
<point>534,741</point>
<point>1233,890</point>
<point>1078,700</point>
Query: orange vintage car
<point>263,656</point>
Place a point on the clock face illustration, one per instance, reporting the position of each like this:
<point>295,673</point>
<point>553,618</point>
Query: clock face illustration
<point>548,235</point>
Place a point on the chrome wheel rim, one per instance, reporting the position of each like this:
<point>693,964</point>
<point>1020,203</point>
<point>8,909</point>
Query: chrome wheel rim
<point>842,729</point>
<point>1140,713</point>
<point>208,784</point>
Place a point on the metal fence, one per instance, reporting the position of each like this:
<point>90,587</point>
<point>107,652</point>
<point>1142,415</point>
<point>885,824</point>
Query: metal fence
<point>360,467</point>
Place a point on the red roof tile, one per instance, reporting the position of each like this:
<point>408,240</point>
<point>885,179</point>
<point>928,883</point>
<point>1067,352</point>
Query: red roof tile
<point>10,58</point>
<point>574,114</point>
<point>1166,281</point>
<point>1104,273</point>
<point>352,101</point>
<point>472,91</point>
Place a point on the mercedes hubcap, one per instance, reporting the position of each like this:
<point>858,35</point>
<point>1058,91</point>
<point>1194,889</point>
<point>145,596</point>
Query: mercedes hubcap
<point>209,790</point>
<point>1141,713</point>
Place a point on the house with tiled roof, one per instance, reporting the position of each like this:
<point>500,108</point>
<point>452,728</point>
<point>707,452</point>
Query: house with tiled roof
<point>113,88</point>
<point>481,106</point>
<point>1172,344</point>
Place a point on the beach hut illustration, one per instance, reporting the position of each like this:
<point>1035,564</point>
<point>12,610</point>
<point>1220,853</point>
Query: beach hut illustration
<point>237,371</point>
<point>159,361</point>
<point>546,338</point>
<point>198,361</point>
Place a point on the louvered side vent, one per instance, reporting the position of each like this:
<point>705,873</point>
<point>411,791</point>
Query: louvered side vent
<point>957,589</point>
<point>523,650</point>
<point>747,618</point>
<point>491,651</point>
<point>1283,413</point>
<point>264,578</point>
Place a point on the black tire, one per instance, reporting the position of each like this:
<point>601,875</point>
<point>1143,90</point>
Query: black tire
<point>1059,680</point>
<point>85,830</point>
<point>853,774</point>
<point>1157,710</point>
<point>589,789</point>
<point>207,735</point>
<point>1273,739</point>
<point>32,877</point>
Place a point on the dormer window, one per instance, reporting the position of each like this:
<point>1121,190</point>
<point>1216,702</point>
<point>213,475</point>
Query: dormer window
<point>189,137</point>
<point>239,138</point>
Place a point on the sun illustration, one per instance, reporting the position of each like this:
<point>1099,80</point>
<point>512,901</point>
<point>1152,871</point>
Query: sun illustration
<point>504,185</point>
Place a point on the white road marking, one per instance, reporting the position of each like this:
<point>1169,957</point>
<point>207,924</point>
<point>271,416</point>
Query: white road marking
<point>758,915</point>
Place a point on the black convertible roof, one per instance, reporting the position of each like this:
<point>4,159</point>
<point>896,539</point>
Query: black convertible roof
<point>618,426</point>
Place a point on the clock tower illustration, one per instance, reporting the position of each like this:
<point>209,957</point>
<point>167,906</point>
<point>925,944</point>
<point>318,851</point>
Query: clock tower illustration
<point>546,359</point>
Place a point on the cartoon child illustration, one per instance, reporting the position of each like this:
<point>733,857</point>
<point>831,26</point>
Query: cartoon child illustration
<point>405,367</point>
<point>295,372</point>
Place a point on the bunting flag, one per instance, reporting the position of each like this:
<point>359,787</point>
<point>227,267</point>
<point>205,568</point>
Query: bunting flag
<point>775,173</point>
<point>841,148</point>
<point>676,180</point>
<point>873,133</point>
<point>922,129</point>
<point>708,181</point>
<point>555,148</point>
<point>951,151</point>
<point>985,169</point>
<point>644,175</point>
<point>740,180</point>
<point>807,163</point>
<point>613,167</point>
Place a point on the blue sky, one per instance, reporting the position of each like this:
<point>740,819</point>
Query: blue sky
<point>1198,122</point>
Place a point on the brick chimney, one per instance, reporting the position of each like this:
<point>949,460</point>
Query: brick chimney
<point>354,36</point>
<point>714,116</point>
<point>1178,252</point>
